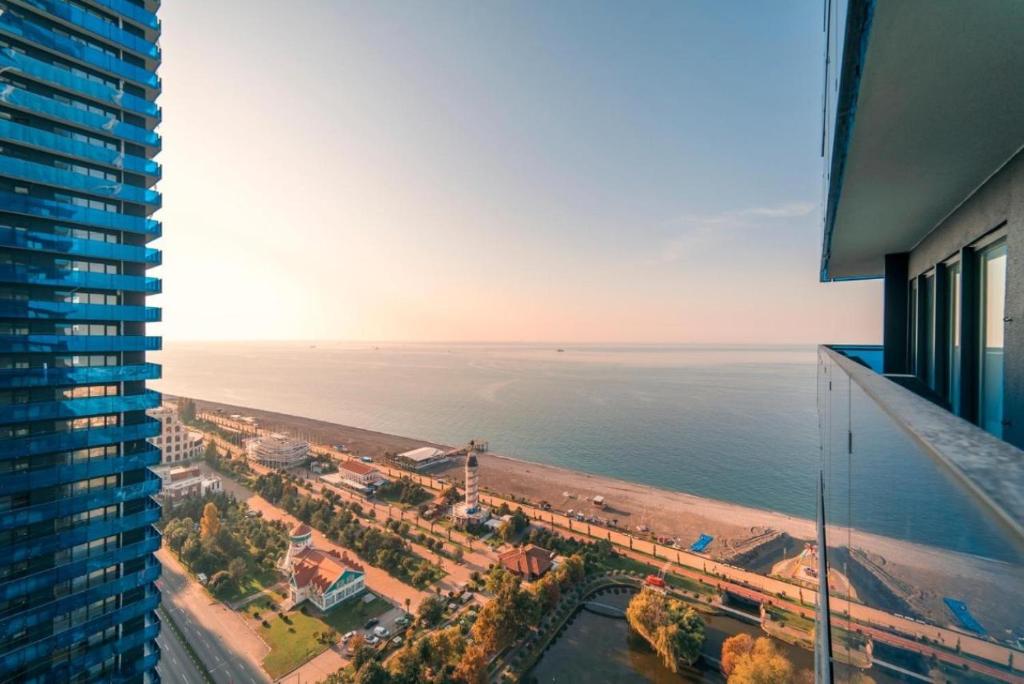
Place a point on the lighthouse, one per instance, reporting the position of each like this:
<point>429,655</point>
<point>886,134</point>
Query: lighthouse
<point>472,484</point>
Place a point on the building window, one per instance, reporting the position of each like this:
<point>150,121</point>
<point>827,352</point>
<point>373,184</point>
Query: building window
<point>913,326</point>
<point>953,331</point>
<point>992,272</point>
<point>927,369</point>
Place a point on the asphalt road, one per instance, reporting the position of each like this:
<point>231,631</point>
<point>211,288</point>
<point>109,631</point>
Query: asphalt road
<point>175,666</point>
<point>226,666</point>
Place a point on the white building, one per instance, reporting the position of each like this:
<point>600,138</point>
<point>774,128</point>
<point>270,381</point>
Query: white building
<point>180,482</point>
<point>176,442</point>
<point>324,578</point>
<point>360,473</point>
<point>422,457</point>
<point>277,451</point>
<point>469,513</point>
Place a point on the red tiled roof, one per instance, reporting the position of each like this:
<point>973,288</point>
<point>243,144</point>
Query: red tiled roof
<point>529,560</point>
<point>314,567</point>
<point>300,529</point>
<point>357,467</point>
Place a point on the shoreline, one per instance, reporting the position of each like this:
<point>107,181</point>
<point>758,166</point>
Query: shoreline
<point>898,572</point>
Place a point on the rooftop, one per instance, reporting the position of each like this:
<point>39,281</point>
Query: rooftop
<point>528,560</point>
<point>422,454</point>
<point>321,569</point>
<point>358,467</point>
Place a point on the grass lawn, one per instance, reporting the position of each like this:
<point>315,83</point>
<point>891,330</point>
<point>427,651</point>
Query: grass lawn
<point>252,583</point>
<point>294,641</point>
<point>673,580</point>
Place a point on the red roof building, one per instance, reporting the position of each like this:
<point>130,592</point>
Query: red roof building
<point>529,562</point>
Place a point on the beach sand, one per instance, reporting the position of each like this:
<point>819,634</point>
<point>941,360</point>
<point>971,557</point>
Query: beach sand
<point>887,573</point>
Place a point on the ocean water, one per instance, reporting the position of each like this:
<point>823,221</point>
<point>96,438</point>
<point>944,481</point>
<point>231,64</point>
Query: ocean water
<point>735,423</point>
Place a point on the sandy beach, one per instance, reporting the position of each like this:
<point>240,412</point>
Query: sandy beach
<point>888,573</point>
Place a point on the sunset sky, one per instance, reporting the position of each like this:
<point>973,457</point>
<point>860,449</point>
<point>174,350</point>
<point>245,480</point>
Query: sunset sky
<point>502,171</point>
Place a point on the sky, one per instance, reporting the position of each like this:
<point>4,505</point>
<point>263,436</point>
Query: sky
<point>498,171</point>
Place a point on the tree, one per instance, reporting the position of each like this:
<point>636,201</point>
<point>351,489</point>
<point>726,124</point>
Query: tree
<point>762,664</point>
<point>209,526</point>
<point>190,550</point>
<point>187,410</point>
<point>472,666</point>
<point>431,610</point>
<point>211,455</point>
<point>372,673</point>
<point>236,570</point>
<point>674,630</point>
<point>733,649</point>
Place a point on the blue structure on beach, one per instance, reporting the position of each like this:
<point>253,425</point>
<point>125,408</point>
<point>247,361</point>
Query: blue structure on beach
<point>78,113</point>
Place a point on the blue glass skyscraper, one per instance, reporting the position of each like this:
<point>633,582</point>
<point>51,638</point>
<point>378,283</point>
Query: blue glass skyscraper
<point>78,113</point>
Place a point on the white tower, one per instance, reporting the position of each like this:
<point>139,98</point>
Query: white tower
<point>472,484</point>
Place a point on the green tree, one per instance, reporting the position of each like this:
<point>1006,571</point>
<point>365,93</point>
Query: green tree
<point>236,570</point>
<point>431,610</point>
<point>674,630</point>
<point>372,673</point>
<point>209,526</point>
<point>761,664</point>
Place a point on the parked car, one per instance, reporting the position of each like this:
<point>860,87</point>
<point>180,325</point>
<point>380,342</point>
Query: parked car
<point>402,621</point>
<point>370,623</point>
<point>348,635</point>
<point>203,579</point>
<point>381,631</point>
<point>397,641</point>
<point>373,640</point>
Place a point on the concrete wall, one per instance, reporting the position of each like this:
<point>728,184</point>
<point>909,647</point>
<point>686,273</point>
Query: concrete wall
<point>999,201</point>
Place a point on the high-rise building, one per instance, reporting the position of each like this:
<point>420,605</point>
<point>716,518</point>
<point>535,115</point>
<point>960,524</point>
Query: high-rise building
<point>78,113</point>
<point>923,135</point>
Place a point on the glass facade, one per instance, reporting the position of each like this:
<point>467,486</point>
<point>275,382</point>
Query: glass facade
<point>993,303</point>
<point>78,141</point>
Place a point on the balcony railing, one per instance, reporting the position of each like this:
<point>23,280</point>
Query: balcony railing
<point>83,502</point>
<point>17,203</point>
<point>62,244</point>
<point>33,172</point>
<point>97,654</point>
<point>922,517</point>
<point>68,80</point>
<point>63,474</point>
<point>32,275</point>
<point>38,138</point>
<point>67,311</point>
<point>29,584</point>
<point>79,375</point>
<point>98,26</point>
<point>133,12</point>
<point>15,25</point>
<point>23,550</point>
<point>76,408</point>
<point>53,344</point>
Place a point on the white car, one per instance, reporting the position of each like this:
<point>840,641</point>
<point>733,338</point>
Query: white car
<point>381,631</point>
<point>373,640</point>
<point>348,635</point>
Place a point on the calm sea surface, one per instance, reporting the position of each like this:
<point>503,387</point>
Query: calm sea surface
<point>733,423</point>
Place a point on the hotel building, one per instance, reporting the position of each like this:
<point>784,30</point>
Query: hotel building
<point>923,132</point>
<point>176,442</point>
<point>78,113</point>
<point>277,451</point>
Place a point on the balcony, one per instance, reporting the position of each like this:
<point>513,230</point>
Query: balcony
<point>55,344</point>
<point>64,78</point>
<point>65,539</point>
<point>32,275</point>
<point>133,12</point>
<point>98,654</point>
<point>99,27</point>
<point>43,613</point>
<point>77,408</point>
<point>64,474</point>
<point>40,139</point>
<point>76,504</point>
<point>47,578</point>
<point>24,655</point>
<point>33,172</point>
<point>921,516</point>
<point>61,244</point>
<point>132,671</point>
<point>19,27</point>
<point>103,125</point>
<point>80,375</point>
<point>17,203</point>
<point>65,311</point>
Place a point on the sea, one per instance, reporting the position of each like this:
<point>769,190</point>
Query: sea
<point>734,423</point>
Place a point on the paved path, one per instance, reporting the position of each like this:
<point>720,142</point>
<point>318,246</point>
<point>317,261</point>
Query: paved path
<point>228,647</point>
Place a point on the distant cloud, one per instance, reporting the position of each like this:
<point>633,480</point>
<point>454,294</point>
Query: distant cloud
<point>699,231</point>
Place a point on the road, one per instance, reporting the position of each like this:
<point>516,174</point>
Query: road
<point>220,637</point>
<point>175,666</point>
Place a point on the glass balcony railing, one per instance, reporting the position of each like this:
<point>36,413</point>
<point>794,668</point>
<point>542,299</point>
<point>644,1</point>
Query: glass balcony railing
<point>53,344</point>
<point>923,545</point>
<point>97,654</point>
<point>39,138</point>
<point>15,25</point>
<point>76,408</point>
<point>43,613</point>
<point>132,671</point>
<point>25,549</point>
<point>13,659</point>
<point>12,483</point>
<point>76,439</point>
<point>76,504</point>
<point>17,203</point>
<point>98,26</point>
<point>65,311</point>
<point>89,375</point>
<point>63,244</point>
<point>132,11</point>
<point>59,178</point>
<point>31,275</point>
<point>104,125</point>
<point>18,62</point>
<point>43,579</point>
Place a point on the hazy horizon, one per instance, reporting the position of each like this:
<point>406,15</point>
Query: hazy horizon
<point>527,172</point>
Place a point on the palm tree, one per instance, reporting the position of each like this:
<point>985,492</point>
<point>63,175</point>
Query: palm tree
<point>408,602</point>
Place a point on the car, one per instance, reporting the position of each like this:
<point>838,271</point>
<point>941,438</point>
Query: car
<point>452,607</point>
<point>370,623</point>
<point>402,621</point>
<point>348,635</point>
<point>203,579</point>
<point>467,597</point>
<point>366,459</point>
<point>373,640</point>
<point>397,641</point>
<point>381,631</point>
